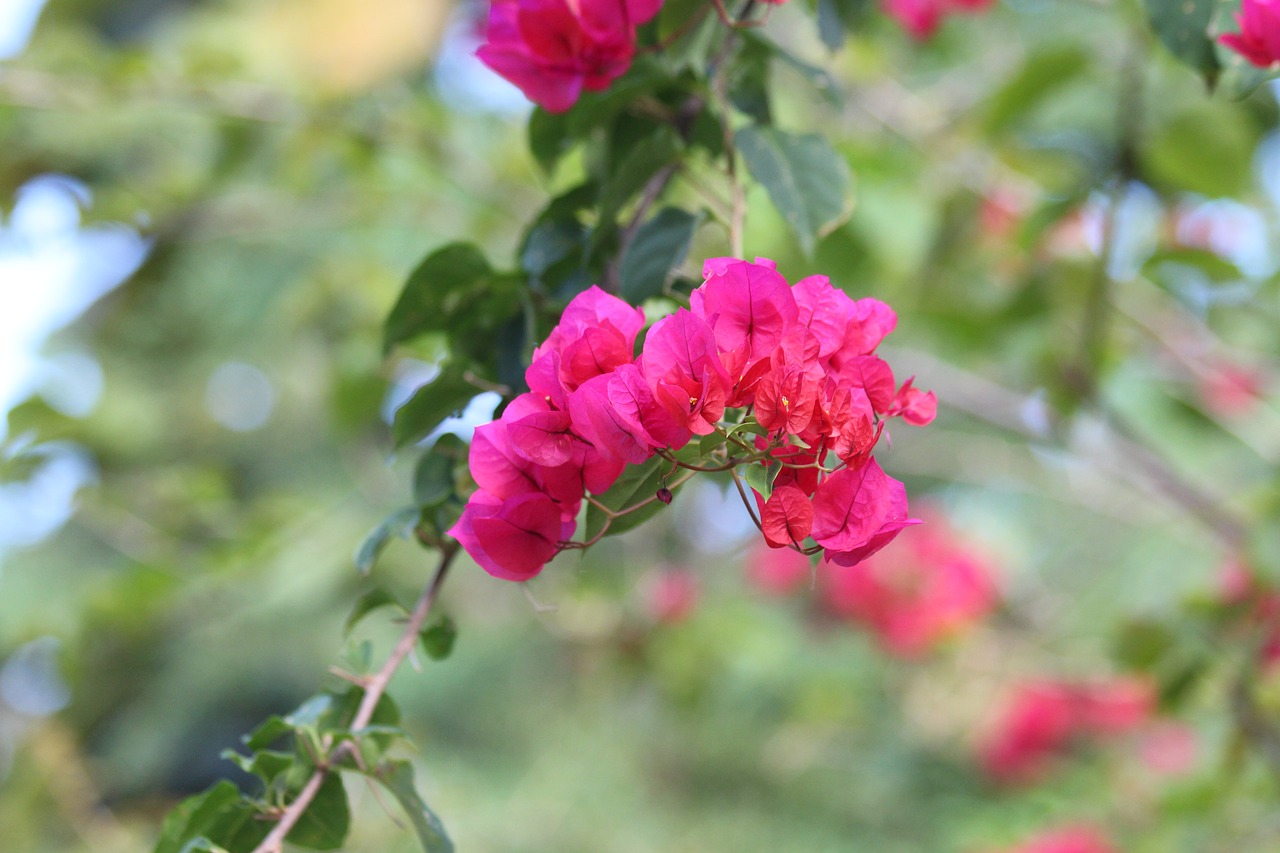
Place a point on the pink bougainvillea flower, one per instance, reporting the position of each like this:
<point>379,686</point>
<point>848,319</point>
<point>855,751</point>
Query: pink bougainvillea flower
<point>857,511</point>
<point>671,595</point>
<point>1230,390</point>
<point>513,538</point>
<point>791,371</point>
<point>778,571</point>
<point>1169,748</point>
<point>787,517</point>
<point>552,50</point>
<point>920,18</point>
<point>1259,38</point>
<point>923,588</point>
<point>748,306</point>
<point>1077,838</point>
<point>1042,718</point>
<point>1036,724</point>
<point>1116,706</point>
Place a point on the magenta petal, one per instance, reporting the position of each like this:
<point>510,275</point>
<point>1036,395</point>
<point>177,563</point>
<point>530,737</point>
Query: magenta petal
<point>683,343</point>
<point>854,506</point>
<point>608,429</point>
<point>747,305</point>
<point>543,438</point>
<point>512,539</point>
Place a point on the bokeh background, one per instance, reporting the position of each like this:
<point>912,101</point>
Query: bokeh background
<point>207,208</point>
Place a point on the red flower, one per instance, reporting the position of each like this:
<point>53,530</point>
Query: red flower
<point>1068,839</point>
<point>923,588</point>
<point>921,18</point>
<point>554,49</point>
<point>1259,38</point>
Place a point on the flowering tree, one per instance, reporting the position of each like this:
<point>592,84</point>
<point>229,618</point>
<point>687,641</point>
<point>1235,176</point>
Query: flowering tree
<point>638,344</point>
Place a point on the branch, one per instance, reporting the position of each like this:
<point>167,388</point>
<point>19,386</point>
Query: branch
<point>374,687</point>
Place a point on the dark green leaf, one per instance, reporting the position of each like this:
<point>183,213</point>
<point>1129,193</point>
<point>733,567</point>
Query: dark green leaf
<point>642,161</point>
<point>749,80</point>
<point>268,732</point>
<point>400,523</point>
<point>638,483</point>
<point>435,477</point>
<point>659,247</point>
<point>1142,643</point>
<point>325,823</point>
<point>366,604</point>
<point>1183,27</point>
<point>807,180</point>
<point>193,816</point>
<point>446,280</point>
<point>266,764</point>
<point>444,396</point>
<point>835,17</point>
<point>397,777</point>
<point>549,138</point>
<point>438,638</point>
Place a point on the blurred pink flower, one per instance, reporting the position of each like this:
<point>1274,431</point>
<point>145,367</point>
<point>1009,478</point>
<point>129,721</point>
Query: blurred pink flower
<point>924,588</point>
<point>1077,838</point>
<point>671,595</point>
<point>777,571</point>
<point>1169,748</point>
<point>1042,718</point>
<point>920,18</point>
<point>1229,390</point>
<point>1259,38</point>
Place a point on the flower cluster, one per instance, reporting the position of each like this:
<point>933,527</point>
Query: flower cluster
<point>921,18</point>
<point>785,378</point>
<point>1041,719</point>
<point>1259,38</point>
<point>552,50</point>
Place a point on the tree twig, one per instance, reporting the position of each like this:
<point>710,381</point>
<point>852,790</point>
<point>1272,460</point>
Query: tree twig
<point>375,687</point>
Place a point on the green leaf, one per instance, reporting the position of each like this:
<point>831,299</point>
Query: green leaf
<point>400,523</point>
<point>806,179</point>
<point>443,283</point>
<point>327,820</point>
<point>438,638</point>
<point>659,247</point>
<point>1143,643</point>
<point>266,764</point>
<point>435,477</point>
<point>549,138</point>
<point>219,819</point>
<point>760,478</point>
<point>1206,148</point>
<point>643,159</point>
<point>835,17</point>
<point>372,600</point>
<point>444,396</point>
<point>397,777</point>
<point>268,732</point>
<point>1183,27</point>
<point>194,815</point>
<point>1044,72</point>
<point>637,483</point>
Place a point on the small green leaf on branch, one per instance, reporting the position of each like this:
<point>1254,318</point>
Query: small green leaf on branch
<point>397,777</point>
<point>445,395</point>
<point>400,523</point>
<point>326,821</point>
<point>438,638</point>
<point>366,604</point>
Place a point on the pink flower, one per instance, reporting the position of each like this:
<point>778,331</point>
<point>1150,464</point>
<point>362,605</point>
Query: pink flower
<point>920,590</point>
<point>1078,838</point>
<point>778,571</point>
<point>554,49</point>
<point>511,539</point>
<point>1042,718</point>
<point>671,595</point>
<point>1230,390</point>
<point>1035,725</point>
<point>920,18</point>
<point>1169,749</point>
<point>1259,38</point>
<point>857,511</point>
